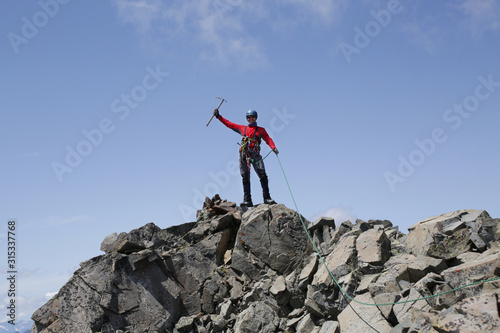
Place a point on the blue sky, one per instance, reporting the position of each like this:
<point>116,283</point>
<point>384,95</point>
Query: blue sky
<point>380,110</point>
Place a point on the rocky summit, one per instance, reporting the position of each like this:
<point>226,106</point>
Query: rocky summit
<point>258,271</point>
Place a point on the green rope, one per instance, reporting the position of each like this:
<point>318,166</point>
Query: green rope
<point>267,155</point>
<point>335,280</point>
<point>255,162</point>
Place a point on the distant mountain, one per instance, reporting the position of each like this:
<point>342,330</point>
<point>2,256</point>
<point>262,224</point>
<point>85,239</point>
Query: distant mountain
<point>23,326</point>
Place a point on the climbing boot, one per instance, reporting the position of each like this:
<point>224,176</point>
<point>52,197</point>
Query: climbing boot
<point>246,204</point>
<point>269,201</point>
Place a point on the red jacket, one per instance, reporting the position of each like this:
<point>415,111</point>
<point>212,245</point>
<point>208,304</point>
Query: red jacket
<point>250,132</point>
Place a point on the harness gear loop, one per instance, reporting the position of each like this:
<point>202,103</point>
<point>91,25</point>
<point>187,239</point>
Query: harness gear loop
<point>250,144</point>
<point>247,141</point>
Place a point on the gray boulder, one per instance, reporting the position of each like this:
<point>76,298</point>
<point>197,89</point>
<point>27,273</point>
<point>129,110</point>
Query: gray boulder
<point>486,266</point>
<point>448,235</point>
<point>473,314</point>
<point>109,292</point>
<point>373,247</point>
<point>362,318</point>
<point>322,231</point>
<point>258,317</point>
<point>270,236</point>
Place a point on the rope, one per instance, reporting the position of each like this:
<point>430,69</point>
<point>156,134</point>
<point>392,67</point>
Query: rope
<point>267,155</point>
<point>335,280</point>
<point>255,162</point>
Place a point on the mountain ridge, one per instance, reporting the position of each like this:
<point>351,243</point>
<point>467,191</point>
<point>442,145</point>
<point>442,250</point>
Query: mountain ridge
<point>258,271</point>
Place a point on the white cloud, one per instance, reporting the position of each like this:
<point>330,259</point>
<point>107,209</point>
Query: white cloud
<point>48,296</point>
<point>141,13</point>
<point>429,25</point>
<point>213,28</point>
<point>222,32</point>
<point>322,11</point>
<point>424,35</point>
<point>338,213</point>
<point>58,221</point>
<point>480,15</point>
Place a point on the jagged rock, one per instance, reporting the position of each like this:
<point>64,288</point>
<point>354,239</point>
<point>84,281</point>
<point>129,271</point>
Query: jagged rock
<point>312,301</point>
<point>296,289</point>
<point>398,242</point>
<point>473,314</point>
<point>452,246</point>
<point>219,322</point>
<point>294,319</point>
<point>448,235</point>
<point>340,262</point>
<point>413,298</point>
<point>107,291</point>
<point>321,223</point>
<point>214,291</point>
<point>184,324</point>
<point>373,247</point>
<point>365,283</point>
<point>255,272</point>
<point>343,228</point>
<point>361,318</point>
<point>330,327</point>
<point>272,235</point>
<point>380,224</point>
<point>464,258</point>
<point>307,273</point>
<point>322,231</point>
<point>193,266</point>
<point>214,207</point>
<point>305,325</point>
<point>258,317</point>
<point>237,288</point>
<point>418,266</point>
<point>226,309</point>
<point>387,310</point>
<point>279,291</point>
<point>148,236</point>
<point>321,295</point>
<point>486,266</point>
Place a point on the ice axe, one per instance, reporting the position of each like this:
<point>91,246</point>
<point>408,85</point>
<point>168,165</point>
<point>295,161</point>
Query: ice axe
<point>217,108</point>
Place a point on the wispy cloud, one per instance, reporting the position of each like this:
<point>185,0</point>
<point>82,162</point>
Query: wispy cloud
<point>213,29</point>
<point>429,24</point>
<point>424,34</point>
<point>480,15</point>
<point>50,295</point>
<point>338,213</point>
<point>54,221</point>
<point>222,32</point>
<point>140,13</point>
<point>322,11</point>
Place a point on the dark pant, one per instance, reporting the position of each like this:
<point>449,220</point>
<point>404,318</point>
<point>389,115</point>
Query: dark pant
<point>255,159</point>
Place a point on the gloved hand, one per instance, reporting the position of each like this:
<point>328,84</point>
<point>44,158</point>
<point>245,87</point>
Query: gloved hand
<point>216,113</point>
<point>276,151</point>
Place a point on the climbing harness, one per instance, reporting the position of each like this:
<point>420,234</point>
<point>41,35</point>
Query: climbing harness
<point>246,141</point>
<point>251,144</point>
<point>335,280</point>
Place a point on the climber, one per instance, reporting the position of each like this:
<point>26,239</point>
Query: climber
<point>250,154</point>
